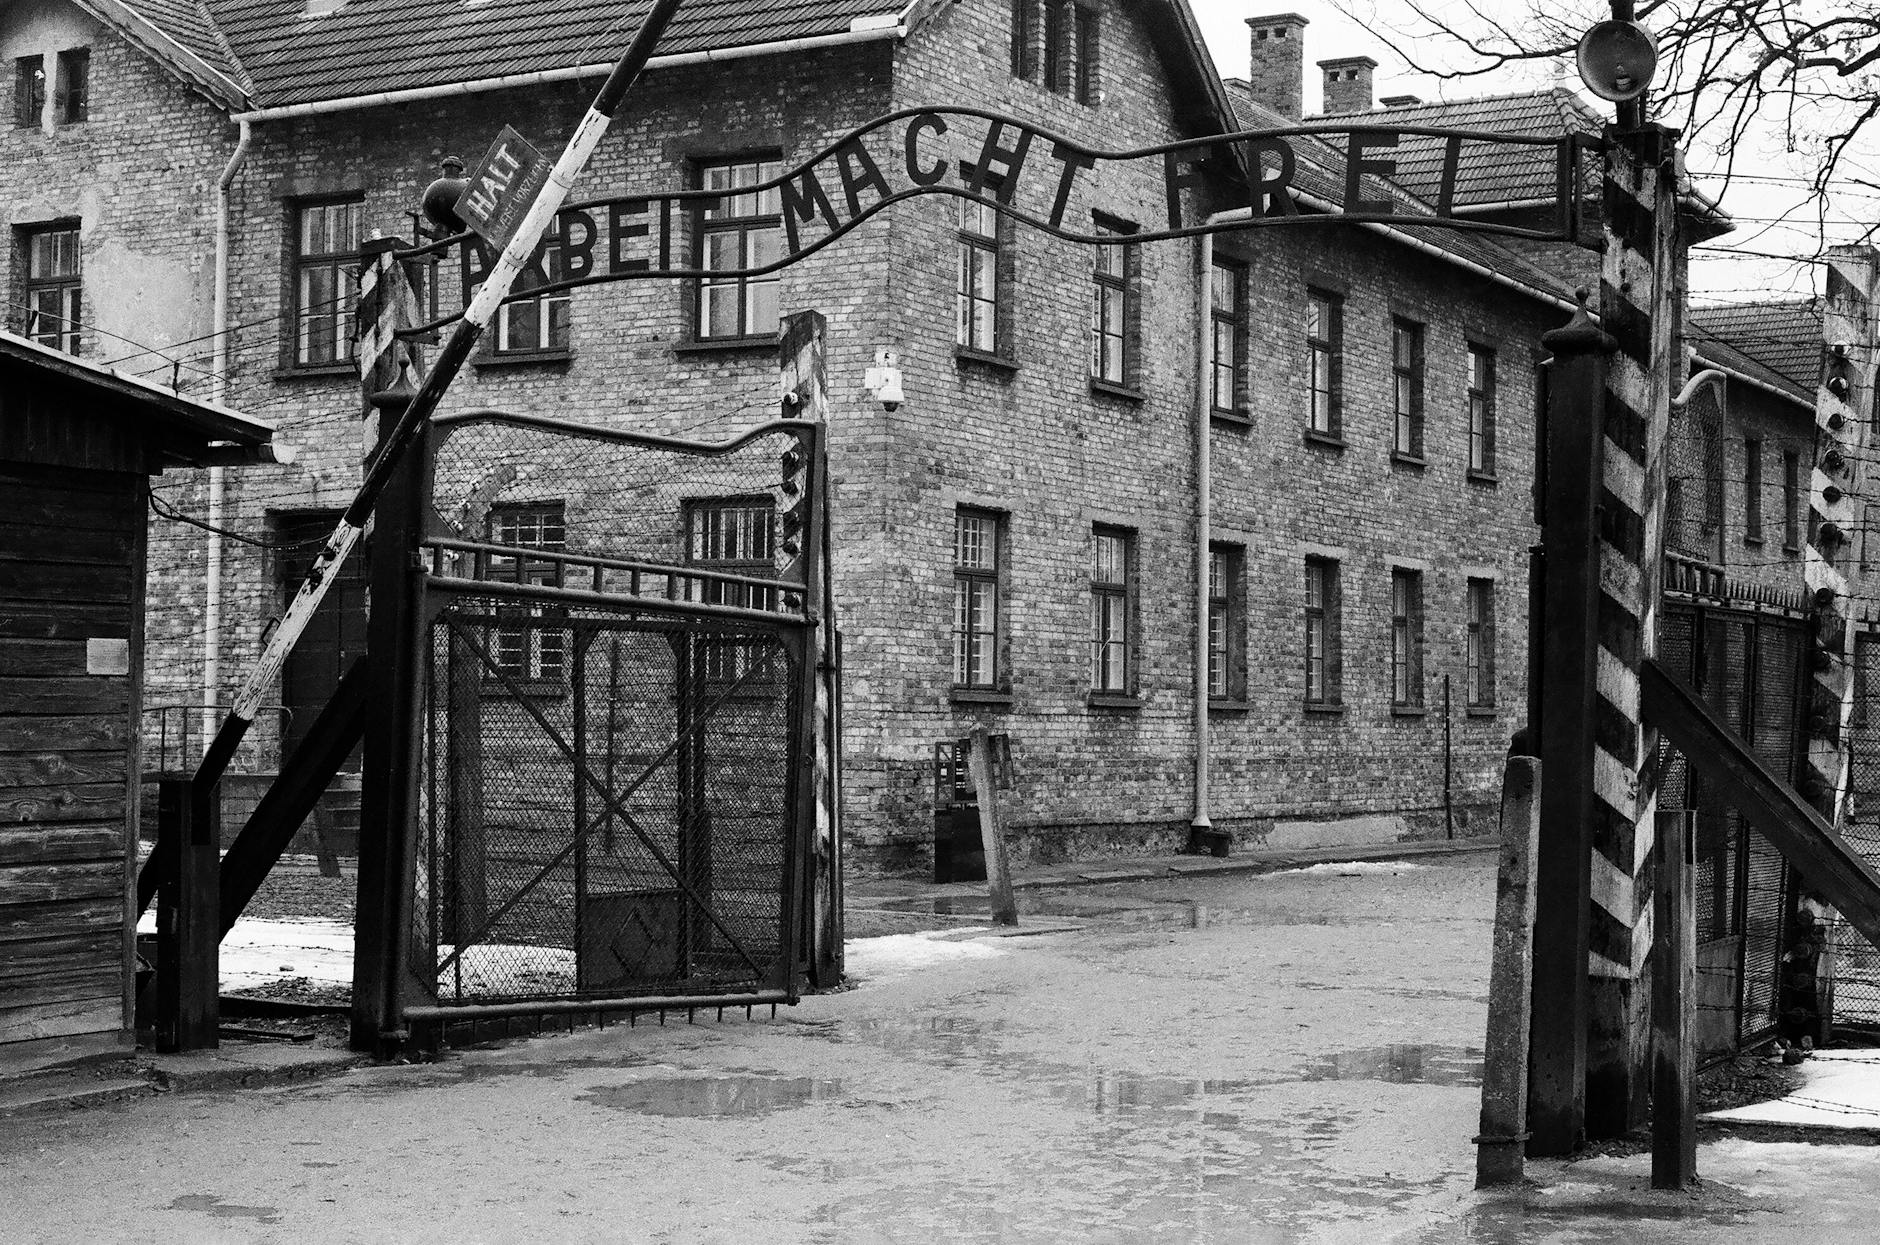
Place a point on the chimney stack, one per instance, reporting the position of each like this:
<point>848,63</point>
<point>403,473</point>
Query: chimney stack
<point>1401,101</point>
<point>1279,63</point>
<point>1348,83</point>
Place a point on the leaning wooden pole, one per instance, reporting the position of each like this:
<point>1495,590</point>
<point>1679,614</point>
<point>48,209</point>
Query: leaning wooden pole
<point>455,353</point>
<point>1502,1142</point>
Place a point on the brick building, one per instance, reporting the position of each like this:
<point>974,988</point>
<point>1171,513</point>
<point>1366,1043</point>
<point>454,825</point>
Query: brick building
<point>1016,541</point>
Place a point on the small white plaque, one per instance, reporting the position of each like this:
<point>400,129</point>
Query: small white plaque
<point>107,656</point>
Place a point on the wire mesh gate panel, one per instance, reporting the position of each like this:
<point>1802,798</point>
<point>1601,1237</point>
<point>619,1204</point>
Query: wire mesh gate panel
<point>1854,963</point>
<point>619,761</point>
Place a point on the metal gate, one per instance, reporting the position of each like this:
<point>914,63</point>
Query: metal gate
<point>625,741</point>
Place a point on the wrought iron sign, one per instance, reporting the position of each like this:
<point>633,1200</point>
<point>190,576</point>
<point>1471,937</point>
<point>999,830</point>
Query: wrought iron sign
<point>1292,176</point>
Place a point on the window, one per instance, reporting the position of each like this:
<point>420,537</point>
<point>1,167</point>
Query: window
<point>1112,580</point>
<point>1480,657</point>
<point>527,650</point>
<point>52,286</point>
<point>1227,623</point>
<point>1056,44</point>
<point>1406,638</point>
<point>977,550</point>
<point>979,326</point>
<point>1406,365</point>
<point>1791,500</point>
<point>1227,314</point>
<point>737,535</point>
<point>736,232</point>
<point>1481,411</point>
<point>1325,350</point>
<point>1752,492</point>
<point>1113,307</point>
<point>74,99</point>
<point>29,90</point>
<point>1322,632</point>
<point>1025,39</point>
<point>536,325</point>
<point>326,251</point>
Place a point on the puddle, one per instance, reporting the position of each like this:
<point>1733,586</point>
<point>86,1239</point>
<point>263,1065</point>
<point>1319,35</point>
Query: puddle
<point>1402,1065</point>
<point>713,1095</point>
<point>216,1208</point>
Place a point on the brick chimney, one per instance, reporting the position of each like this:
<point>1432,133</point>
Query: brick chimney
<point>1348,83</point>
<point>1278,74</point>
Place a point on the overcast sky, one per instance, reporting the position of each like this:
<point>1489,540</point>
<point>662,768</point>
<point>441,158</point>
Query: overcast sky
<point>1762,208</point>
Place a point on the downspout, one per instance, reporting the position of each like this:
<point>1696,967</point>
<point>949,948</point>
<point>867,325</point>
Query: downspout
<point>218,391</point>
<point>1201,827</point>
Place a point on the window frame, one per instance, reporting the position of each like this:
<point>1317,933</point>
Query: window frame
<point>1112,613</point>
<point>1116,280</point>
<point>72,106</point>
<point>1326,654</point>
<point>1227,623</point>
<point>523,652</point>
<point>723,660</point>
<point>1406,640</point>
<point>986,641</point>
<point>547,308</point>
<point>1752,491</point>
<point>749,226</point>
<point>1325,350</point>
<point>29,91</point>
<point>1483,383</point>
<point>1791,501</point>
<point>342,267</point>
<point>972,243</point>
<point>68,288</point>
<point>1408,383</point>
<point>1479,643</point>
<point>1232,322</point>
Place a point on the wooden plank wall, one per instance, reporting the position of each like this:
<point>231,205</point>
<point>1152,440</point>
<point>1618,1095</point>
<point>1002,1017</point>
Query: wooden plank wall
<point>71,570</point>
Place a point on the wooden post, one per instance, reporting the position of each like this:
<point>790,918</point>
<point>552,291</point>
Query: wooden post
<point>1674,1005</point>
<point>992,831</point>
<point>463,813</point>
<point>1501,1144</point>
<point>189,926</point>
<point>1568,666</point>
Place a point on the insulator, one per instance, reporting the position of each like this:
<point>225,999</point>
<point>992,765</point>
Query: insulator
<point>1831,494</point>
<point>1830,535</point>
<point>1832,462</point>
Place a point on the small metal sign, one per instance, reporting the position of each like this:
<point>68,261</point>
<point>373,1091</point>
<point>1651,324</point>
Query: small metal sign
<point>502,186</point>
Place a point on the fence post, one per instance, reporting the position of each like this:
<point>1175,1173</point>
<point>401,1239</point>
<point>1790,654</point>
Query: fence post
<point>189,916</point>
<point>1500,1146</point>
<point>1674,1005</point>
<point>992,830</point>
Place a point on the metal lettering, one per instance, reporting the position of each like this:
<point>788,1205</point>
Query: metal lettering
<point>1269,193</point>
<point>1356,166</point>
<point>1073,161</point>
<point>1180,174</point>
<point>934,124</point>
<point>802,196</point>
<point>577,252</point>
<point>1010,159</point>
<point>622,226</point>
<point>859,171</point>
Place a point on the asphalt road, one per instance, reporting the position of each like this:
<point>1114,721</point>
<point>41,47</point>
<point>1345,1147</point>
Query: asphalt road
<point>1291,1057</point>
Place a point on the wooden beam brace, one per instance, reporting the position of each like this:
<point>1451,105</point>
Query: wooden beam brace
<point>1776,810</point>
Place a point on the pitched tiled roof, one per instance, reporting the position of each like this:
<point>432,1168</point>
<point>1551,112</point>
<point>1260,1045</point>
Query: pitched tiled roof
<point>1320,173</point>
<point>189,24</point>
<point>1486,174</point>
<point>1783,338</point>
<point>363,47</point>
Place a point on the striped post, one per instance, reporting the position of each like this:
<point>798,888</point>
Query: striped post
<point>1640,303</point>
<point>1835,512</point>
<point>387,303</point>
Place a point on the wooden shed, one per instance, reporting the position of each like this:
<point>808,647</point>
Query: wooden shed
<point>78,446</point>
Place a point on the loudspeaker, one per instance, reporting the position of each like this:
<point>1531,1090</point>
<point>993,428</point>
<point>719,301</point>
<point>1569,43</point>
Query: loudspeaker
<point>1617,60</point>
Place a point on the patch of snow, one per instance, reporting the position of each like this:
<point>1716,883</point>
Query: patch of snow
<point>1350,868</point>
<point>1840,1089</point>
<point>896,955</point>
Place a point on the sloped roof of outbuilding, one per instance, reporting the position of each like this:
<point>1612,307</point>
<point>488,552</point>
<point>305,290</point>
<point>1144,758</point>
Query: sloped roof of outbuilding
<point>1784,338</point>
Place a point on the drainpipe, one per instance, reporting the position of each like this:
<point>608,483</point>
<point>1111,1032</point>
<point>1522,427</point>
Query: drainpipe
<point>1201,827</point>
<point>212,585</point>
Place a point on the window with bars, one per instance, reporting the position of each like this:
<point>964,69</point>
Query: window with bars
<point>1406,638</point>
<point>739,231</point>
<point>29,90</point>
<point>1322,633</point>
<point>1227,323</point>
<point>1752,492</point>
<point>978,548</point>
<point>1406,366</point>
<point>326,257</point>
<point>737,535</point>
<point>1113,306</point>
<point>979,292</point>
<point>53,285</point>
<point>1479,660</point>
<point>1112,592</point>
<point>527,650</point>
<point>1325,351</point>
<point>538,325</point>
<point>1791,501</point>
<point>1481,411</point>
<point>73,98</point>
<point>1227,623</point>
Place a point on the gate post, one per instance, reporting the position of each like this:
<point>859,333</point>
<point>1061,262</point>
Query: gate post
<point>1641,303</point>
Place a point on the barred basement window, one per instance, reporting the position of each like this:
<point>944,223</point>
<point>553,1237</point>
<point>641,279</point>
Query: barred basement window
<point>53,285</point>
<point>29,90</point>
<point>74,96</point>
<point>977,551</point>
<point>1406,638</point>
<point>737,535</point>
<point>1112,592</point>
<point>1480,658</point>
<point>1481,411</point>
<point>1407,386</point>
<point>1325,355</point>
<point>326,257</point>
<point>739,231</point>
<point>528,650</point>
<point>1228,337</point>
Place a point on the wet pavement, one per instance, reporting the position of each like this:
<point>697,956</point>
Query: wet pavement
<point>1293,1057</point>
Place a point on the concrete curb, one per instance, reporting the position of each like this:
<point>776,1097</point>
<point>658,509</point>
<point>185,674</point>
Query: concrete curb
<point>236,1065</point>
